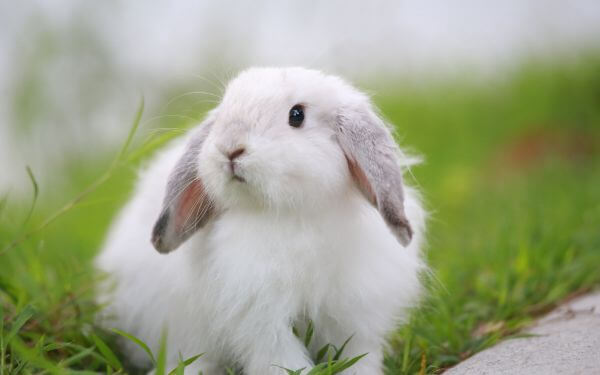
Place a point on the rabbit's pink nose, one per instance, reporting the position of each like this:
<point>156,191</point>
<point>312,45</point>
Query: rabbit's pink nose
<point>235,153</point>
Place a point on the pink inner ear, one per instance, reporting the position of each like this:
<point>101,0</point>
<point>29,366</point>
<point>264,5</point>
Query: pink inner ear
<point>192,204</point>
<point>361,180</point>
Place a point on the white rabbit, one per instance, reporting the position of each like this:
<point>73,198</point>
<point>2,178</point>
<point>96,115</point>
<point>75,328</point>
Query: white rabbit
<point>285,204</point>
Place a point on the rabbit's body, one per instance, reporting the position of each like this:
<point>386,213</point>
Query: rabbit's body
<point>236,287</point>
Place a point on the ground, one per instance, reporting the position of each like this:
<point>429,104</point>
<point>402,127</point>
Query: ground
<point>564,342</point>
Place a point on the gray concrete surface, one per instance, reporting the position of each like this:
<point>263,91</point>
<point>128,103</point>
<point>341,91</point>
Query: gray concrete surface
<point>566,341</point>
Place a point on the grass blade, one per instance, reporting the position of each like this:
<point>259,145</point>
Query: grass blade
<point>108,354</point>
<point>1,340</point>
<point>132,131</point>
<point>322,352</point>
<point>309,333</point>
<point>179,370</point>
<point>20,320</point>
<point>77,357</point>
<point>291,372</point>
<point>139,342</point>
<point>19,368</point>
<point>36,191</point>
<point>347,363</point>
<point>55,346</point>
<point>339,351</point>
<point>184,364</point>
<point>161,362</point>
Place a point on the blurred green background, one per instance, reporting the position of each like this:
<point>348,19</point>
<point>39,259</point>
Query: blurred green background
<point>511,177</point>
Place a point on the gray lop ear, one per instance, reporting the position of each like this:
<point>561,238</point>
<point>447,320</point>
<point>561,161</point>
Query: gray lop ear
<point>373,161</point>
<point>186,206</point>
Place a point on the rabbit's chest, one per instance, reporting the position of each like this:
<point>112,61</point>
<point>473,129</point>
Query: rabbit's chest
<point>269,254</point>
<point>267,262</point>
<point>267,243</point>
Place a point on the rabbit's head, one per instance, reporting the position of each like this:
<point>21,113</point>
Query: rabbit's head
<point>283,139</point>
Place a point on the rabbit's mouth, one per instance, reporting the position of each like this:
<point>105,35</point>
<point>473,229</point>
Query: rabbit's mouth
<point>238,178</point>
<point>235,173</point>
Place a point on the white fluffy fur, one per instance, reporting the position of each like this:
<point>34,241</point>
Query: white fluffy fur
<point>297,241</point>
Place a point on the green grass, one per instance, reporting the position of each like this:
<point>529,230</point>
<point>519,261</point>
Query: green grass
<point>511,176</point>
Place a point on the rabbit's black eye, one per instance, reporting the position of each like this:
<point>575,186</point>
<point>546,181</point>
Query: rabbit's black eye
<point>296,116</point>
